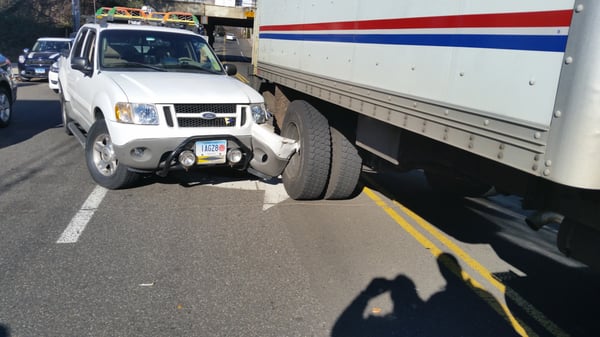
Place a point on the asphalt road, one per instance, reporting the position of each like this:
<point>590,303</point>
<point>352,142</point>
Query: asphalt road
<point>218,253</point>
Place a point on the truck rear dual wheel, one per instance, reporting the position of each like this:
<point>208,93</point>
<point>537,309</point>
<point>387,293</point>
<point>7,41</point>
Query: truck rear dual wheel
<point>327,165</point>
<point>346,166</point>
<point>102,162</point>
<point>305,176</point>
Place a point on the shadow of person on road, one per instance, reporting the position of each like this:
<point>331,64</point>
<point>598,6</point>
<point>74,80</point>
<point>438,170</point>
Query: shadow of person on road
<point>402,321</point>
<point>461,309</point>
<point>4,331</point>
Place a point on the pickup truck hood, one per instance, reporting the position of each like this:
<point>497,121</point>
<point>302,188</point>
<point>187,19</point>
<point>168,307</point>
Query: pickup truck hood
<point>178,87</point>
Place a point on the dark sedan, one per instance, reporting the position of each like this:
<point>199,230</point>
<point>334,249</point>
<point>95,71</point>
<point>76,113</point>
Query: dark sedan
<point>35,63</point>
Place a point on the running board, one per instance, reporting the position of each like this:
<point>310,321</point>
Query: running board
<point>77,133</point>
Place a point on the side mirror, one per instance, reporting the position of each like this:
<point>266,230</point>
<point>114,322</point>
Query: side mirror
<point>230,69</point>
<point>81,64</point>
<point>26,51</point>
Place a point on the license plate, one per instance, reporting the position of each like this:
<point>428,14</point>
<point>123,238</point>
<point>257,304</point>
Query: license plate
<point>40,70</point>
<point>211,152</point>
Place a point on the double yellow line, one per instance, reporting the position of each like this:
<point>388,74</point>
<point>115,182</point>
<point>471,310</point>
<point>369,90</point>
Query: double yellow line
<point>238,75</point>
<point>521,328</point>
<point>242,78</point>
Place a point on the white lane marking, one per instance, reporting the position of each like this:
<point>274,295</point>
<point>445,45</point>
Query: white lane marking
<point>274,193</point>
<point>80,220</point>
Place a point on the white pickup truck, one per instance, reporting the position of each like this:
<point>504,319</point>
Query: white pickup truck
<point>148,99</point>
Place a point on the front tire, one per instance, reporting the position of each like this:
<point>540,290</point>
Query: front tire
<point>102,162</point>
<point>5,107</point>
<point>305,176</point>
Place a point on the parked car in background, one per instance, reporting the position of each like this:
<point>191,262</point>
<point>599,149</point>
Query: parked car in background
<point>36,63</point>
<point>230,37</point>
<point>8,91</point>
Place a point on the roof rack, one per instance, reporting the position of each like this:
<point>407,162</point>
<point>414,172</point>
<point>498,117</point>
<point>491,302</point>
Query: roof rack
<point>181,18</point>
<point>102,12</point>
<point>185,20</point>
<point>155,17</point>
<point>120,14</point>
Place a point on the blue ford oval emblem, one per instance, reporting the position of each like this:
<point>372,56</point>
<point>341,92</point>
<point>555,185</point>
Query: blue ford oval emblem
<point>208,115</point>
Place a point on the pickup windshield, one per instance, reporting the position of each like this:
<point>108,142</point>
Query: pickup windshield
<point>140,50</point>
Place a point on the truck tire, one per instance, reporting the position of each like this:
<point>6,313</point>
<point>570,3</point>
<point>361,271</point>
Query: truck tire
<point>65,116</point>
<point>101,161</point>
<point>5,107</point>
<point>305,176</point>
<point>346,166</point>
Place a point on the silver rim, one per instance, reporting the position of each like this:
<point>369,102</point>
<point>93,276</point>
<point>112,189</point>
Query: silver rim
<point>104,155</point>
<point>4,107</point>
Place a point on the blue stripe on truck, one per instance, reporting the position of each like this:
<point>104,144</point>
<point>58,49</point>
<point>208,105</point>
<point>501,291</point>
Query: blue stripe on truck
<point>545,43</point>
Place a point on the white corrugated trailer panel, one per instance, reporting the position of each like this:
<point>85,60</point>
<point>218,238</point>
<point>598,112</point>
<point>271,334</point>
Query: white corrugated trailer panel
<point>513,83</point>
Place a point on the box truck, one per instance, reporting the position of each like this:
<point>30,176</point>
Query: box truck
<point>477,94</point>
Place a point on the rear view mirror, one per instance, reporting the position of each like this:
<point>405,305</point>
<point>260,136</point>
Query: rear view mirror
<point>230,69</point>
<point>81,64</point>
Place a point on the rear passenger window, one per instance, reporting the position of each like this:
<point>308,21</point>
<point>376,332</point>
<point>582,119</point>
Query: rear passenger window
<point>79,43</point>
<point>89,49</point>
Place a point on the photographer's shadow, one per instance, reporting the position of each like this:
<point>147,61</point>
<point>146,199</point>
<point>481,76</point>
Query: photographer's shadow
<point>461,309</point>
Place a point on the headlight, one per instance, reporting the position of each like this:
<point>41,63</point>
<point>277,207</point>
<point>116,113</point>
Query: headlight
<point>259,113</point>
<point>136,113</point>
<point>54,67</point>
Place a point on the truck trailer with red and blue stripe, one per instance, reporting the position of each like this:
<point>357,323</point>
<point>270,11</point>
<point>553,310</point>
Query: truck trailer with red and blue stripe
<point>481,96</point>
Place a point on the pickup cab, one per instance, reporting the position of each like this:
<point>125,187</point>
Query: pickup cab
<point>147,99</point>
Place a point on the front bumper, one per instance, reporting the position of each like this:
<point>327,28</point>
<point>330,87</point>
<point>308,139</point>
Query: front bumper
<point>30,71</point>
<point>263,151</point>
<point>271,152</point>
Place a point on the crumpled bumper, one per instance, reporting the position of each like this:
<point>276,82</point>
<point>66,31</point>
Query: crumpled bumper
<point>271,152</point>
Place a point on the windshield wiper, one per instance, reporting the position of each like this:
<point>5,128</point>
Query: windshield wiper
<point>135,65</point>
<point>187,65</point>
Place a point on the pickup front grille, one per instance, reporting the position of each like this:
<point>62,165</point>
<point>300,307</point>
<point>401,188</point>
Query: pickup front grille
<point>204,123</point>
<point>199,108</point>
<point>195,115</point>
